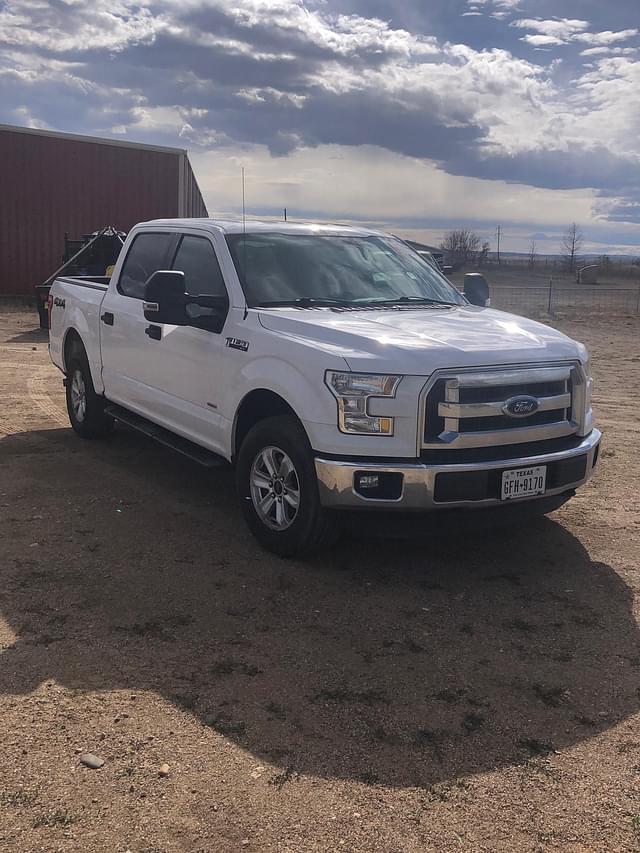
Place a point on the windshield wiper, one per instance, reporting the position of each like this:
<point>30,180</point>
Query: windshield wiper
<point>305,302</point>
<point>416,300</point>
<point>322,302</point>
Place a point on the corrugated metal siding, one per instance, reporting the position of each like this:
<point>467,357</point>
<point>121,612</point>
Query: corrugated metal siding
<point>49,185</point>
<point>194,203</point>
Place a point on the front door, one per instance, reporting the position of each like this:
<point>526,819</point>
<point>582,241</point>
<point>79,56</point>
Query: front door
<point>170,374</point>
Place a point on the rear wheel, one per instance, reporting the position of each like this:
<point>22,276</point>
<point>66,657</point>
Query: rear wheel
<point>278,489</point>
<point>85,407</point>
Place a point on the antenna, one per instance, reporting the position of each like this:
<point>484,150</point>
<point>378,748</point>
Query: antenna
<point>244,223</point>
<point>244,245</point>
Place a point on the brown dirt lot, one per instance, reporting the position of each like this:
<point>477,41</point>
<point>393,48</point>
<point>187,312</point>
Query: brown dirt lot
<point>476,693</point>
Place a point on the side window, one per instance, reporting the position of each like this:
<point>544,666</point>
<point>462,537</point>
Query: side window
<point>148,253</point>
<point>196,258</point>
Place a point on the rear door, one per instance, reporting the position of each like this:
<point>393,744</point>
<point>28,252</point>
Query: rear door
<point>127,370</point>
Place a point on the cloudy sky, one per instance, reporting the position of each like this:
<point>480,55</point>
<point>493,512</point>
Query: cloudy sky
<point>419,115</point>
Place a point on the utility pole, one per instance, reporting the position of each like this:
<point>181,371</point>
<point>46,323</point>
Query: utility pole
<point>498,233</point>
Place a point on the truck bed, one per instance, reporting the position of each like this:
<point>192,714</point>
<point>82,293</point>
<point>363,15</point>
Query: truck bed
<point>76,305</point>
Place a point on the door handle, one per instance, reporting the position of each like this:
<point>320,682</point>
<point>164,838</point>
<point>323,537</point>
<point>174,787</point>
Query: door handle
<point>107,318</point>
<point>154,332</point>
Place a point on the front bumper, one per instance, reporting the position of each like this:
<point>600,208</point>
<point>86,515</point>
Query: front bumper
<point>420,490</point>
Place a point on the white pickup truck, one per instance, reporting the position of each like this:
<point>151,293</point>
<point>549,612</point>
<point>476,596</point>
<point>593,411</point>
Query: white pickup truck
<point>334,367</point>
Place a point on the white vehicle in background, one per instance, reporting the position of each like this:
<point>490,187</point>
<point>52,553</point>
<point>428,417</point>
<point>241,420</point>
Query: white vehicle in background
<point>333,367</point>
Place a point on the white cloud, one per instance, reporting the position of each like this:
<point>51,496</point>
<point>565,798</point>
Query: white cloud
<point>501,4</point>
<point>560,31</point>
<point>27,120</point>
<point>605,51</point>
<point>607,102</point>
<point>595,51</point>
<point>345,35</point>
<point>497,9</point>
<point>559,28</point>
<point>541,41</point>
<point>264,94</point>
<point>606,37</point>
<point>106,24</point>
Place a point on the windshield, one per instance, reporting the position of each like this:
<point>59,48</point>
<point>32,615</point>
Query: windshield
<point>310,269</point>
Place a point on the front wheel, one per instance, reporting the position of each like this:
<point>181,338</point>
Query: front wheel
<point>278,489</point>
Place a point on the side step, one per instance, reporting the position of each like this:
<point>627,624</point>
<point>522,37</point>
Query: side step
<point>169,439</point>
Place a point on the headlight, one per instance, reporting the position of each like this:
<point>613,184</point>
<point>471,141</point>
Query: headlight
<point>589,388</point>
<point>585,359</point>
<point>352,391</point>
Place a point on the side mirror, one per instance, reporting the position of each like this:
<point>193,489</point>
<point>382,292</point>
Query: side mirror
<point>476,289</point>
<point>165,299</point>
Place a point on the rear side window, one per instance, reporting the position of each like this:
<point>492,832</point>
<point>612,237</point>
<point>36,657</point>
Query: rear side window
<point>196,258</point>
<point>148,253</point>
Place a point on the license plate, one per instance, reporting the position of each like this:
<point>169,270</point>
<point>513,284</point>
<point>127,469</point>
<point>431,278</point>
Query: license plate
<point>523,482</point>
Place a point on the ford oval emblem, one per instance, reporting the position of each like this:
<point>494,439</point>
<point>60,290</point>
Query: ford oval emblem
<point>521,406</point>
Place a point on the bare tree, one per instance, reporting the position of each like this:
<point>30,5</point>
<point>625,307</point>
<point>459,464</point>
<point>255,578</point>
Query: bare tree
<point>532,253</point>
<point>572,243</point>
<point>460,246</point>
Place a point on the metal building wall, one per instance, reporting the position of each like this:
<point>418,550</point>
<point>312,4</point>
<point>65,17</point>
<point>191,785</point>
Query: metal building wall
<point>51,183</point>
<point>191,202</point>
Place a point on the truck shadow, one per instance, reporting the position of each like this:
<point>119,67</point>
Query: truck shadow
<point>396,664</point>
<point>31,336</point>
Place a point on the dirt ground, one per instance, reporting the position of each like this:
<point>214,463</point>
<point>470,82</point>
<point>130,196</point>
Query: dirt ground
<point>474,693</point>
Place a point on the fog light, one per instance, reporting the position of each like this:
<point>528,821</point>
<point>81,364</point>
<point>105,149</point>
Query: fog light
<point>384,486</point>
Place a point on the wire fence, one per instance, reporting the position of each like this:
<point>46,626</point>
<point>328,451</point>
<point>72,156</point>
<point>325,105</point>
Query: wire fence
<point>550,300</point>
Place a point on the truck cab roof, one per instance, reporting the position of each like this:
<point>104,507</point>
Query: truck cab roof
<point>254,226</point>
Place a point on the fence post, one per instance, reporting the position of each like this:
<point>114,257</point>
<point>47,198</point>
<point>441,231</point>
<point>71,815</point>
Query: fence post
<point>550,294</point>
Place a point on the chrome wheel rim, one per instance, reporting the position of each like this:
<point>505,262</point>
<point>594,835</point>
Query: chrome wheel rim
<point>275,488</point>
<point>78,396</point>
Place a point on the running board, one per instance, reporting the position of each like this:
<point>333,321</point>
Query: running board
<point>163,436</point>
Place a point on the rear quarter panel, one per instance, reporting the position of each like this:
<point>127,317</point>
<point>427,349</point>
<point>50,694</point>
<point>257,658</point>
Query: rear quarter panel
<point>76,306</point>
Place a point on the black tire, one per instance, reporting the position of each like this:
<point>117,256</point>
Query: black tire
<point>310,527</point>
<point>89,421</point>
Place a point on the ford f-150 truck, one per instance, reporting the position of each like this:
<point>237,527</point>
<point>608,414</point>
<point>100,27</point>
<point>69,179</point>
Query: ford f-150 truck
<point>333,367</point>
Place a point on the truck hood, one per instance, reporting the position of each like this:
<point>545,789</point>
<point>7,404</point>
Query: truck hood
<point>419,341</point>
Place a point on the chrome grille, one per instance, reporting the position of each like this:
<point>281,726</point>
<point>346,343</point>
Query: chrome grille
<point>467,408</point>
